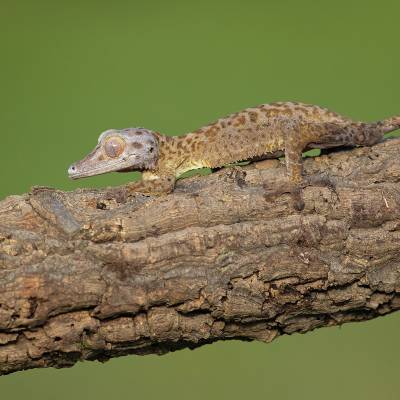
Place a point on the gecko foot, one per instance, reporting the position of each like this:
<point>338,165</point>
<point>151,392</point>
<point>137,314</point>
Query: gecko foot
<point>296,190</point>
<point>319,180</point>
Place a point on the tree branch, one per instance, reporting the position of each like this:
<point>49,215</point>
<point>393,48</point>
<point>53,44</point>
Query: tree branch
<point>94,274</point>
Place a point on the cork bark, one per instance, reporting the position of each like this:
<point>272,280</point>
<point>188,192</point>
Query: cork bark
<point>95,274</point>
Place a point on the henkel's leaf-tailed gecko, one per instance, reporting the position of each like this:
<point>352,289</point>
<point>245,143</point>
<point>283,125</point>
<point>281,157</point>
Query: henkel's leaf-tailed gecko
<point>267,131</point>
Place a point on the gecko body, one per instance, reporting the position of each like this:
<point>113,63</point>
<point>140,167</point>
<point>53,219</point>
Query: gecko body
<point>267,131</point>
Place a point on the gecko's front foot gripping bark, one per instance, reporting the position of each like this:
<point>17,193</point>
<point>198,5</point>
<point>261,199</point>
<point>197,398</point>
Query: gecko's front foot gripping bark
<point>252,134</point>
<point>152,186</point>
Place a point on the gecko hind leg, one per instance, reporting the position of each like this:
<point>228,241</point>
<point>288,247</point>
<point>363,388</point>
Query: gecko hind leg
<point>319,180</point>
<point>295,189</point>
<point>296,181</point>
<point>286,188</point>
<point>294,168</point>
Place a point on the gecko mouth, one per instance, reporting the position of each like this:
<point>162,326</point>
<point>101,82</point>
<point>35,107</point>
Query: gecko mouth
<point>75,173</point>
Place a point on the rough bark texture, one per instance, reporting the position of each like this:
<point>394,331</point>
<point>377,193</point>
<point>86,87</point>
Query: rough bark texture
<point>94,274</point>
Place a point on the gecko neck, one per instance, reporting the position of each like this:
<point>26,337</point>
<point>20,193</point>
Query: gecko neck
<point>177,155</point>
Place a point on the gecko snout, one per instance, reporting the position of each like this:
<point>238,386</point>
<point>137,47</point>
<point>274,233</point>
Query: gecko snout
<point>72,170</point>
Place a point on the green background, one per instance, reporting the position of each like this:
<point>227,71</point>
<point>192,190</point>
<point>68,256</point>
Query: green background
<point>71,69</point>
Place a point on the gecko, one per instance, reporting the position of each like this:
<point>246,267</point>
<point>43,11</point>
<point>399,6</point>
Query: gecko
<point>267,131</point>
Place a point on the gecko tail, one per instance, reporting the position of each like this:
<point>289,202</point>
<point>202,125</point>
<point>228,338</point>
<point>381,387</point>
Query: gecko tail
<point>390,124</point>
<point>368,134</point>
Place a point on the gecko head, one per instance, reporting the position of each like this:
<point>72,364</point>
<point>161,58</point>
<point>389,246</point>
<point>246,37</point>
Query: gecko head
<point>131,149</point>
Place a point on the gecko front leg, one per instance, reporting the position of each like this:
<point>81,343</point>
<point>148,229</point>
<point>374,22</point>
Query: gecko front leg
<point>152,185</point>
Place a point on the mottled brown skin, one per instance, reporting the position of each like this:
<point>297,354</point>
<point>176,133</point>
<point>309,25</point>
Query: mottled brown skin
<point>266,131</point>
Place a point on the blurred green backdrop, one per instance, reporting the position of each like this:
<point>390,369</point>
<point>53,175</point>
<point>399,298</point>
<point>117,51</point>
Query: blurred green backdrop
<point>71,69</point>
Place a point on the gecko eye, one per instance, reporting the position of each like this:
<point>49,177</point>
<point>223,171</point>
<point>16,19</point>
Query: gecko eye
<point>114,146</point>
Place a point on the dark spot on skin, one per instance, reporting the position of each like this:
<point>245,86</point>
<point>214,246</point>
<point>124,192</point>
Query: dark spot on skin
<point>151,149</point>
<point>138,133</point>
<point>253,116</point>
<point>211,131</point>
<point>240,121</point>
<point>272,110</point>
<point>101,157</point>
<point>137,145</point>
<point>287,111</point>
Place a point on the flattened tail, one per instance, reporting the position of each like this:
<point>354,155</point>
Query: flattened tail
<point>390,124</point>
<point>368,134</point>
